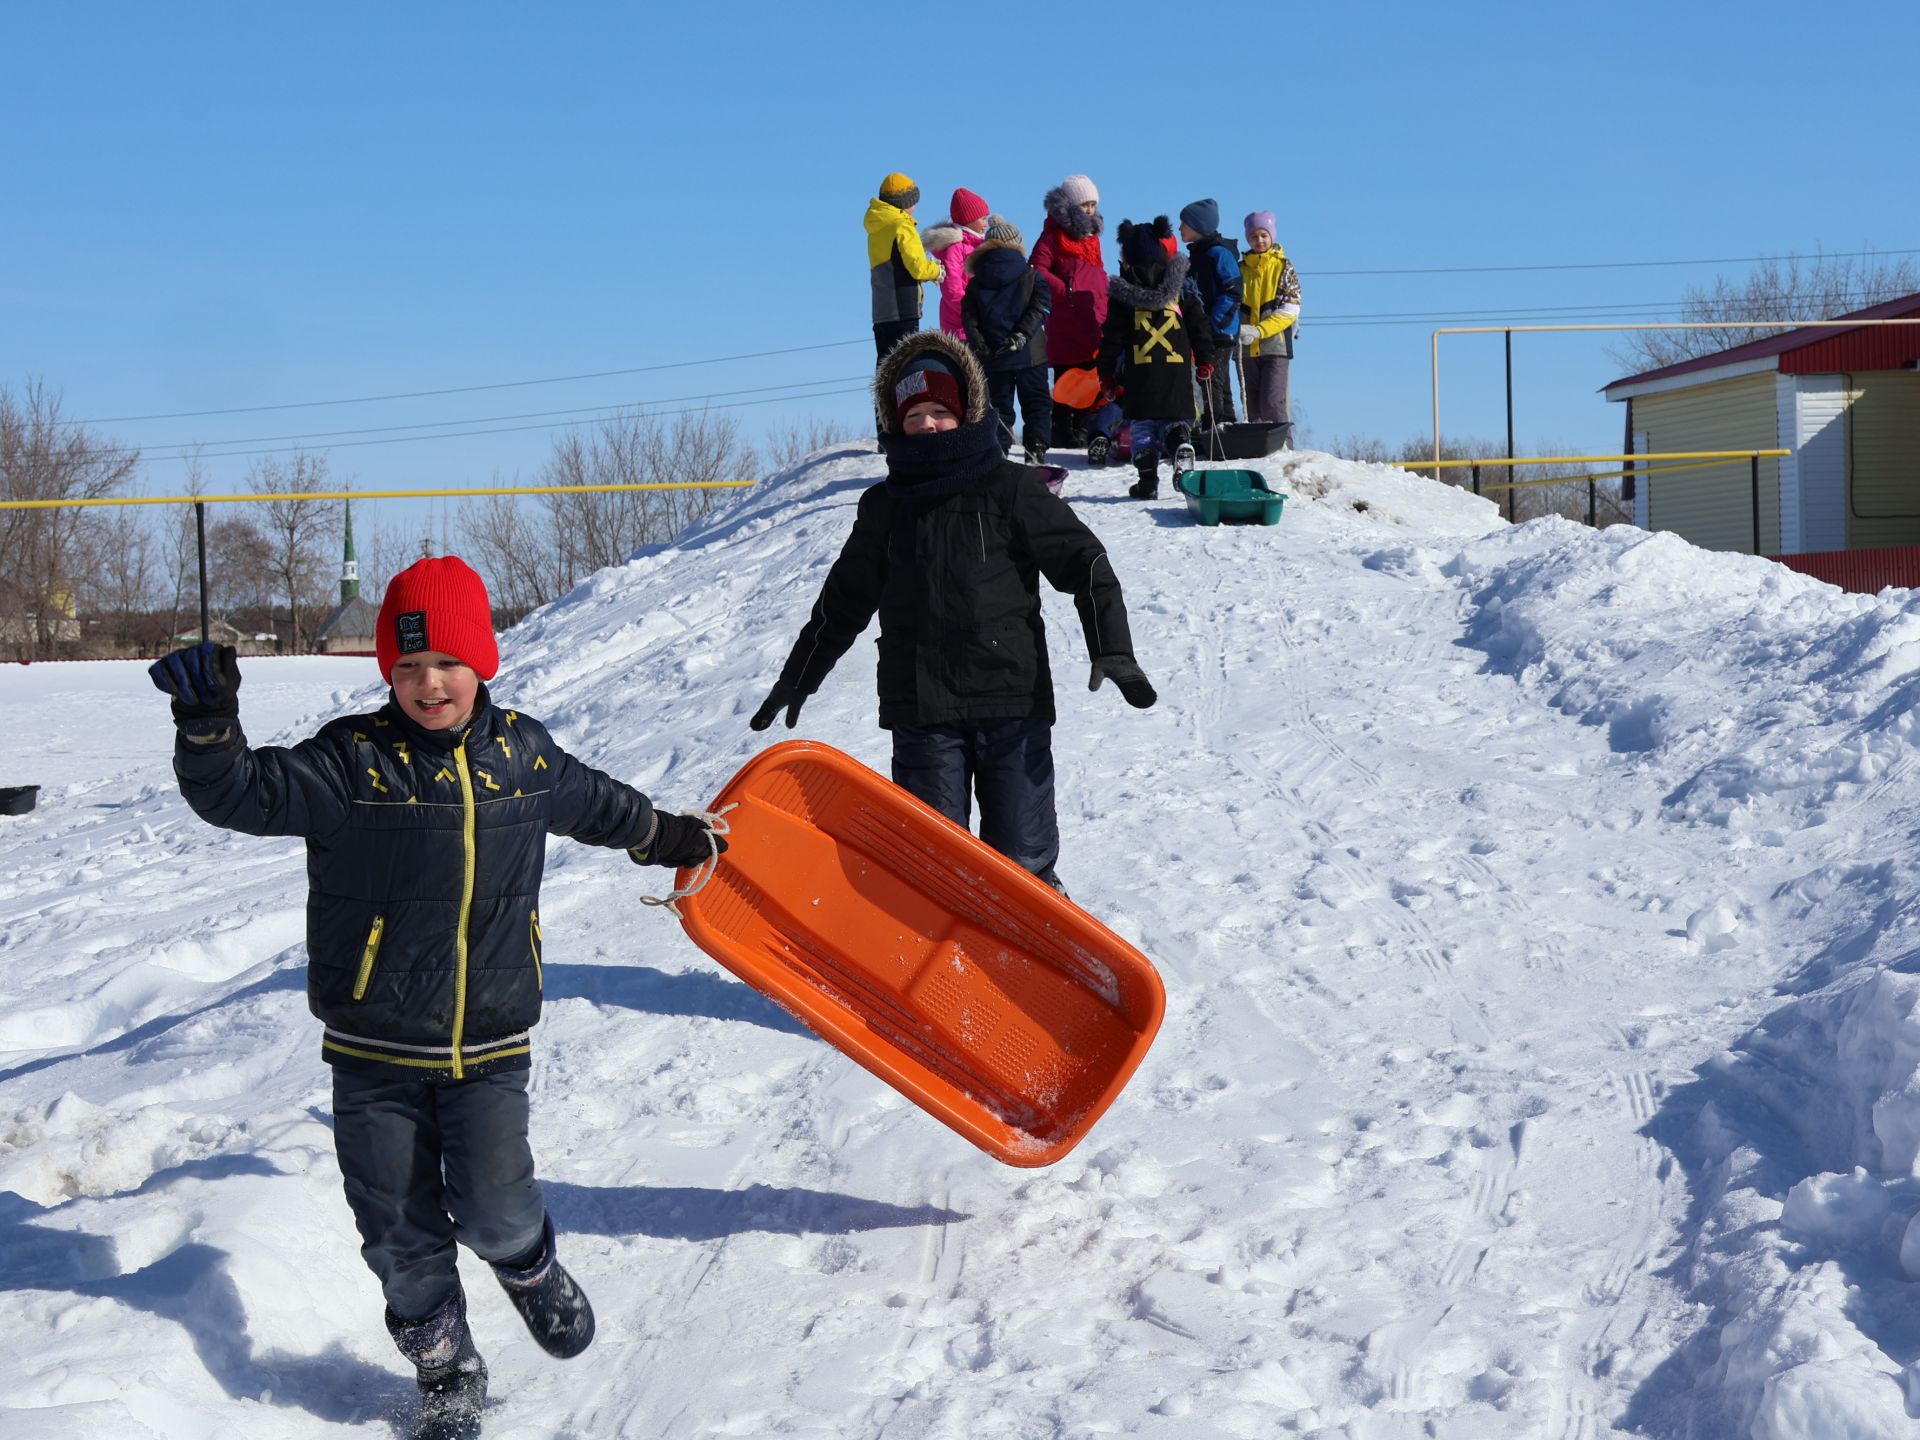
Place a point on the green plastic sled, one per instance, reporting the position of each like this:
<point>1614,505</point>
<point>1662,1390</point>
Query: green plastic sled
<point>1234,497</point>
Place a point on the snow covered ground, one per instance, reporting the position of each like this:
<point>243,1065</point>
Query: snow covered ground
<point>1536,911</point>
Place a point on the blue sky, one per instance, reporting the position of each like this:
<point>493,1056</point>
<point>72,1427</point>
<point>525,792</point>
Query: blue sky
<point>224,206</point>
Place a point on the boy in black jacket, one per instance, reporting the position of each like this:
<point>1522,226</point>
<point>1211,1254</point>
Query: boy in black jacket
<point>1004,313</point>
<point>426,826</point>
<point>1156,343</point>
<point>949,550</point>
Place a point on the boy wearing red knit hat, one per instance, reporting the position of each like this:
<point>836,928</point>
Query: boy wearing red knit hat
<point>426,825</point>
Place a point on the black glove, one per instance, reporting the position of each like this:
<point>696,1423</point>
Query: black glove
<point>1016,342</point>
<point>1122,670</point>
<point>679,841</point>
<point>204,681</point>
<point>782,694</point>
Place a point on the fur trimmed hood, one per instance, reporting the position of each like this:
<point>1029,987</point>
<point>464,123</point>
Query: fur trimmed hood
<point>952,349</point>
<point>938,237</point>
<point>1071,218</point>
<point>986,247</point>
<point>1151,297</point>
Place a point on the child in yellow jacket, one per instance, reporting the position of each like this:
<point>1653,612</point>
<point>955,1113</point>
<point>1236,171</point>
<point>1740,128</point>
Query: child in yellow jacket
<point>897,263</point>
<point>1269,314</point>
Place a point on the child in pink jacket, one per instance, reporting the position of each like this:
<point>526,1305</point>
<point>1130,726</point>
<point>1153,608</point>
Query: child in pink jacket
<point>951,243</point>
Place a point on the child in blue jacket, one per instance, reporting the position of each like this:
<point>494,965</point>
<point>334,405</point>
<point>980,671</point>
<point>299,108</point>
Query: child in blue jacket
<point>426,825</point>
<point>1216,271</point>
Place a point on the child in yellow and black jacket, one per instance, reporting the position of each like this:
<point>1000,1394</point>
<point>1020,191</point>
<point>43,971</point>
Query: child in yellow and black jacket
<point>897,263</point>
<point>426,824</point>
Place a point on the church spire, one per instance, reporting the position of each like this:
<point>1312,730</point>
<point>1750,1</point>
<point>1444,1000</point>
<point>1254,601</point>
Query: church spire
<point>349,567</point>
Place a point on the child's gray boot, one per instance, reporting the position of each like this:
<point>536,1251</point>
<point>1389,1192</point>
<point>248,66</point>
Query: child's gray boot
<point>548,1299</point>
<point>451,1375</point>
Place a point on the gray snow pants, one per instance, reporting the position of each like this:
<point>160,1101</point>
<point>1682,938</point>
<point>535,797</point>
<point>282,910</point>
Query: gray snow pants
<point>1266,387</point>
<point>428,1164</point>
<point>1216,391</point>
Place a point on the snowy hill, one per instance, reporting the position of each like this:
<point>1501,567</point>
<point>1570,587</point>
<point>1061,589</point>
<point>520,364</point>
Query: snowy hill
<point>1535,907</point>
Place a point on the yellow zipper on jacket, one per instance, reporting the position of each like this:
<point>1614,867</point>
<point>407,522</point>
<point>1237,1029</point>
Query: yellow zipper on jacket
<point>533,941</point>
<point>366,957</point>
<point>466,907</point>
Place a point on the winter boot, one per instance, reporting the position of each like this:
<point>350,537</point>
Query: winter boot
<point>1048,877</point>
<point>1036,455</point>
<point>451,1375</point>
<point>1147,487</point>
<point>1099,447</point>
<point>1183,456</point>
<point>554,1307</point>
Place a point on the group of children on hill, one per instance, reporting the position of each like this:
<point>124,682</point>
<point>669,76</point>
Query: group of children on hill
<point>1165,335</point>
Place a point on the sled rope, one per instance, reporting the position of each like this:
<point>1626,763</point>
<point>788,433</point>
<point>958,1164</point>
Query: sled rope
<point>703,872</point>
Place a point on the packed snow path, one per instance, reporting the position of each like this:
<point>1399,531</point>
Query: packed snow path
<point>1472,858</point>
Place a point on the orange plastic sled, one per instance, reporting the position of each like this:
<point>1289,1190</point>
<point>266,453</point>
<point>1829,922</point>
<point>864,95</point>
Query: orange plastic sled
<point>980,994</point>
<point>1078,389</point>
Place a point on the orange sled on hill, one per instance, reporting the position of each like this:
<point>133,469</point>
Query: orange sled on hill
<point>992,1002</point>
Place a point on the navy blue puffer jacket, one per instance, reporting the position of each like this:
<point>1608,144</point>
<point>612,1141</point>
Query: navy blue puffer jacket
<point>424,856</point>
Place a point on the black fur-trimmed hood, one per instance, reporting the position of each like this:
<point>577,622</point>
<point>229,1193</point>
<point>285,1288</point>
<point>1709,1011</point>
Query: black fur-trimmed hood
<point>951,348</point>
<point>1071,218</point>
<point>1124,291</point>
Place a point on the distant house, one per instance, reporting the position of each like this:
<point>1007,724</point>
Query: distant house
<point>221,633</point>
<point>348,628</point>
<point>1845,404</point>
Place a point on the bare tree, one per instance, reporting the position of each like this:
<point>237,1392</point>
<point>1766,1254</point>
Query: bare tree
<point>45,553</point>
<point>296,533</point>
<point>1796,289</point>
<point>533,554</point>
<point>797,439</point>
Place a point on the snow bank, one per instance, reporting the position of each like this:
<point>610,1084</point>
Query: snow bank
<point>1540,1057</point>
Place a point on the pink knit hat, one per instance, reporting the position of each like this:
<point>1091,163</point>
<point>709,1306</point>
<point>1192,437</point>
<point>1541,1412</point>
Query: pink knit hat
<point>967,207</point>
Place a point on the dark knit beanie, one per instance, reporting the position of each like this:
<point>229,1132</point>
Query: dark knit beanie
<point>1002,229</point>
<point>900,192</point>
<point>1202,215</point>
<point>439,603</point>
<point>1139,246</point>
<point>928,377</point>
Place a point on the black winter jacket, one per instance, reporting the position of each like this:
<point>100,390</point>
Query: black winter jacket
<point>1004,295</point>
<point>956,586</point>
<point>1155,334</point>
<point>424,856</point>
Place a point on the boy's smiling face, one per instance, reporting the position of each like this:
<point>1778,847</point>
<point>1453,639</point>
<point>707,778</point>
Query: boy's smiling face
<point>436,691</point>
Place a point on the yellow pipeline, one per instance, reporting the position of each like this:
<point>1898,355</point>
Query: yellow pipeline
<point>1503,461</point>
<point>373,494</point>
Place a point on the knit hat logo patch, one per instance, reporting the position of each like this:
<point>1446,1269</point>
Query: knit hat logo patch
<point>410,632</point>
<point>910,385</point>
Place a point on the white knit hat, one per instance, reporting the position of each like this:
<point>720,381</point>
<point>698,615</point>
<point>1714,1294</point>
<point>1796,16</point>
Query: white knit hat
<point>1079,190</point>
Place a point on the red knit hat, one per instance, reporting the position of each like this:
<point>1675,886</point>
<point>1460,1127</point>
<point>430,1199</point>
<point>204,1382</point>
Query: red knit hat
<point>439,603</point>
<point>967,207</point>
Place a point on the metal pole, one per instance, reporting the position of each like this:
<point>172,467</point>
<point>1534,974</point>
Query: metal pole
<point>1593,503</point>
<point>200,525</point>
<point>1509,397</point>
<point>1475,470</point>
<point>1753,473</point>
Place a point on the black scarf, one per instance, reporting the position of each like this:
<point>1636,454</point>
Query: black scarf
<point>930,467</point>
